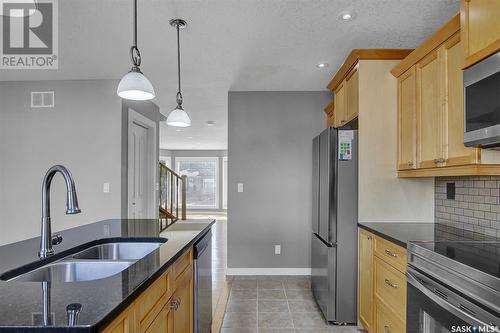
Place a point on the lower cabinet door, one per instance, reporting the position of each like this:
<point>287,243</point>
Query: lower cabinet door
<point>386,321</point>
<point>163,323</point>
<point>182,303</point>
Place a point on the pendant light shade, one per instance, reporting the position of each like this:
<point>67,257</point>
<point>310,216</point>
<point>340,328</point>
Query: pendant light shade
<point>178,117</point>
<point>135,85</point>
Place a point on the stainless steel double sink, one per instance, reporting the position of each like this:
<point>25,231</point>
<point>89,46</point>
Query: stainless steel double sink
<point>96,262</point>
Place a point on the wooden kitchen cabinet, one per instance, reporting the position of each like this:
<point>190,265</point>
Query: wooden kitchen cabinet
<point>164,321</point>
<point>183,296</point>
<point>352,95</point>
<point>166,306</point>
<point>365,280</point>
<point>407,120</point>
<point>429,122</point>
<point>124,323</point>
<point>454,151</point>
<point>430,86</point>
<point>329,111</point>
<point>381,284</point>
<point>480,29</point>
<point>340,114</point>
<point>346,83</point>
<point>386,321</point>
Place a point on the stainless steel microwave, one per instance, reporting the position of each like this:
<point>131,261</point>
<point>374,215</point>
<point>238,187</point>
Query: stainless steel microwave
<point>482,103</point>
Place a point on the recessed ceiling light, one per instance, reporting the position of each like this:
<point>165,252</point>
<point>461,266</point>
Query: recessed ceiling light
<point>210,123</point>
<point>178,130</point>
<point>190,137</point>
<point>347,16</point>
<point>322,65</point>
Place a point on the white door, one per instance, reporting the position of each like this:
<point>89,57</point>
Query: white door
<point>141,167</point>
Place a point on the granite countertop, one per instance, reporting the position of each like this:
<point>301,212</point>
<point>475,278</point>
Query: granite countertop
<point>401,233</point>
<point>101,300</point>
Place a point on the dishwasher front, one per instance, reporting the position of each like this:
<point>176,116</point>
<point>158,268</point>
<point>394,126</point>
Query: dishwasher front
<point>203,284</point>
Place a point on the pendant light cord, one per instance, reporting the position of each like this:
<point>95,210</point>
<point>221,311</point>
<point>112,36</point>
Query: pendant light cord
<point>135,23</point>
<point>135,55</point>
<point>179,94</point>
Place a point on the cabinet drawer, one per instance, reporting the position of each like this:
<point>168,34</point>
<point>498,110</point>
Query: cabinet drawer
<point>150,303</point>
<point>390,252</point>
<point>390,287</point>
<point>386,322</point>
<point>184,277</point>
<point>182,263</point>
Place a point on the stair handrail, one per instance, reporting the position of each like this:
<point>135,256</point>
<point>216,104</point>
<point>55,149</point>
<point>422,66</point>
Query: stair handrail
<point>173,186</point>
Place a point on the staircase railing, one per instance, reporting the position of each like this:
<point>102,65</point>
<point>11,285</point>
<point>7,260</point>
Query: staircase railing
<point>172,196</point>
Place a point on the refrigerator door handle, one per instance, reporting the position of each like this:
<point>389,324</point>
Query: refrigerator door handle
<point>325,242</point>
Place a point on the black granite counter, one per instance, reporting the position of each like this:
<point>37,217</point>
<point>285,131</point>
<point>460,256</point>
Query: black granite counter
<point>401,233</point>
<point>21,303</point>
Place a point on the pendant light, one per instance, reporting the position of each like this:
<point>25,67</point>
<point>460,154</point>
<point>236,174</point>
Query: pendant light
<point>134,85</point>
<point>178,117</point>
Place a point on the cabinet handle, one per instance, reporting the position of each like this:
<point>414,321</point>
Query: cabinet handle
<point>390,284</point>
<point>439,160</point>
<point>410,164</point>
<point>390,253</point>
<point>369,237</point>
<point>387,329</point>
<point>174,304</point>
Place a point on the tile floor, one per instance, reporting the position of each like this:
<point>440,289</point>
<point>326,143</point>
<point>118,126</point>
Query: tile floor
<point>275,304</point>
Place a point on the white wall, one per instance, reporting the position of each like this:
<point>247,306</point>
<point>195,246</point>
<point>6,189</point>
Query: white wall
<point>82,132</point>
<point>382,196</point>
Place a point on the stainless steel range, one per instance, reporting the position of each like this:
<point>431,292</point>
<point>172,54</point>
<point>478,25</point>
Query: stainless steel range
<point>453,287</point>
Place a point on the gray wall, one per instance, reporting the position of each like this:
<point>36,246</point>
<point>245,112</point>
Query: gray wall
<point>475,212</point>
<point>83,132</point>
<point>200,153</point>
<point>270,151</point>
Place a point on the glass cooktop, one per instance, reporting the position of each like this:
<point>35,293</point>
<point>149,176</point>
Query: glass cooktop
<point>481,255</point>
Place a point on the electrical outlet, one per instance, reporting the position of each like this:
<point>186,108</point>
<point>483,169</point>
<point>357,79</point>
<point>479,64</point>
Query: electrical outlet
<point>277,249</point>
<point>105,187</point>
<point>240,187</point>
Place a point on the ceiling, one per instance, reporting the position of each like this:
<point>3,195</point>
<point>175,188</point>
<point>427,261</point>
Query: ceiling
<point>229,45</point>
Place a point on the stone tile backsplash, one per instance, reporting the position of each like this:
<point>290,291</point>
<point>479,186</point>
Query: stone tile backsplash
<point>476,207</point>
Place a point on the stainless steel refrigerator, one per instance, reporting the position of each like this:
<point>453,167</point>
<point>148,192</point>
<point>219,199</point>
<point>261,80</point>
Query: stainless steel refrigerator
<point>334,227</point>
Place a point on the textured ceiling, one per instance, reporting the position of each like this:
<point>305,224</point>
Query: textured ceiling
<point>230,45</point>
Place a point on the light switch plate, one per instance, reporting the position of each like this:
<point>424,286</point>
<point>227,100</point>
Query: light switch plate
<point>105,187</point>
<point>277,249</point>
<point>240,187</point>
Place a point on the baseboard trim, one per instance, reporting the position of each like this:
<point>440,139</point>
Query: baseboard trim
<point>268,271</point>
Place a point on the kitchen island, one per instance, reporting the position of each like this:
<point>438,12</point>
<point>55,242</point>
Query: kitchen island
<point>97,305</point>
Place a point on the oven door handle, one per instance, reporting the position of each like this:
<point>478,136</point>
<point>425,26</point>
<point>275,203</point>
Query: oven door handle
<point>467,317</point>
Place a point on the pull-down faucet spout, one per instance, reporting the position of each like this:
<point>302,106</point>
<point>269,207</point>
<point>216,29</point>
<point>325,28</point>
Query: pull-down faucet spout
<point>47,239</point>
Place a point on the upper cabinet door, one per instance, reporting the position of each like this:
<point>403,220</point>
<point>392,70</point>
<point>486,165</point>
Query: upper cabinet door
<point>340,106</point>
<point>407,90</point>
<point>480,27</point>
<point>429,106</point>
<point>352,94</point>
<point>455,152</point>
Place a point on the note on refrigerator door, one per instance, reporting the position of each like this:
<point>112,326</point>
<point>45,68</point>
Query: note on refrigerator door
<point>345,145</point>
